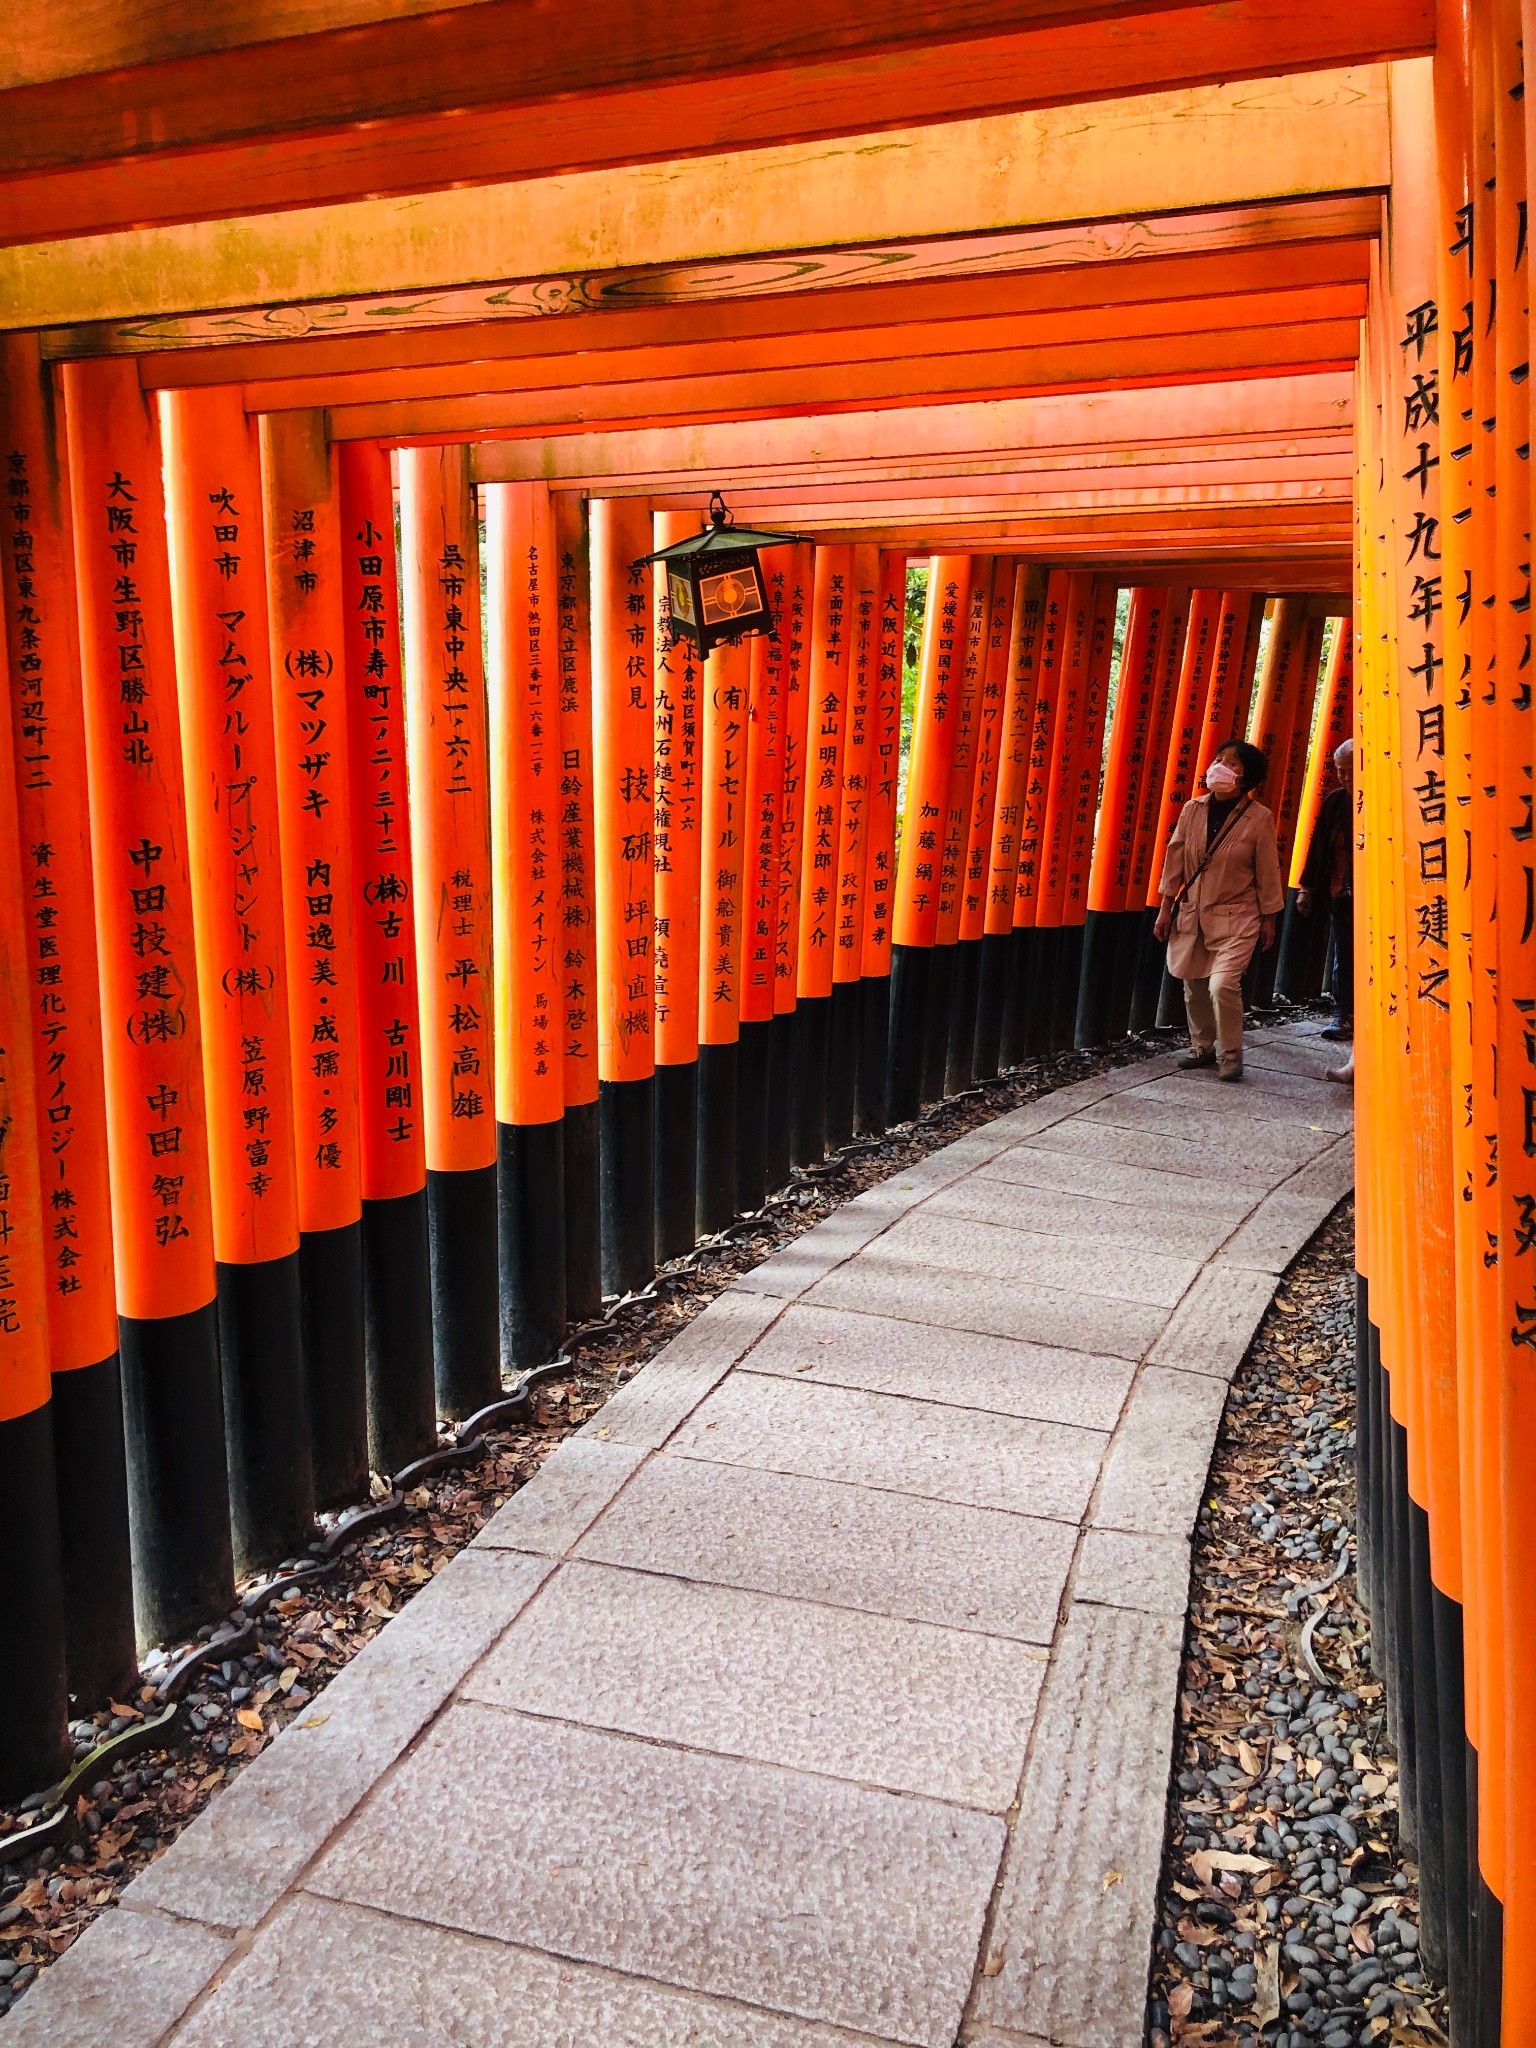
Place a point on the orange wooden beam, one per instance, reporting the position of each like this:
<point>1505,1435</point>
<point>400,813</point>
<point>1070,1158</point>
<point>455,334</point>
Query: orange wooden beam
<point>1002,373</point>
<point>468,94</point>
<point>762,318</point>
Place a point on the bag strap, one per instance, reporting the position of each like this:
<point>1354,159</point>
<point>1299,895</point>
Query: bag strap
<point>1205,859</point>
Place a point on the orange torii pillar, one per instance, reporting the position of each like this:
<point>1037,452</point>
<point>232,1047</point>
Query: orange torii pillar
<point>1201,643</point>
<point>451,847</point>
<point>1245,677</point>
<point>1281,707</point>
<point>1070,639</point>
<point>869,1108</point>
<point>794,611</point>
<point>760,907</point>
<point>954,832</point>
<point>578,915</point>
<point>623,752</point>
<point>224,674</point>
<point>302,509</point>
<point>827,686</point>
<point>960,1070</point>
<point>1304,941</point>
<point>157,1136</point>
<point>727,685</point>
<point>34,1701</point>
<point>37,577</point>
<point>997,944</point>
<point>1021,1029</point>
<point>525,796</point>
<point>1146,861</point>
<point>1101,997</point>
<point>1088,763</point>
<point>397,1268</point>
<point>1225,716</point>
<point>862,665</point>
<point>679,788</point>
<point>922,853</point>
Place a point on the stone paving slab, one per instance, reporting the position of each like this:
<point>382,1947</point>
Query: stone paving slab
<point>886,1283</point>
<point>251,1844</point>
<point>1089,1138</point>
<point>1054,1212</point>
<point>899,1446</point>
<point>1214,1323</point>
<point>899,1704</point>
<point>1157,1465</point>
<point>1001,1252</point>
<point>562,1499</point>
<point>1145,1189</point>
<point>1072,1939</point>
<point>797,1893</point>
<point>847,1546</point>
<point>1118,1569</point>
<point>903,1514</point>
<point>324,1972</point>
<point>1277,1230</point>
<point>127,1981</point>
<point>644,1413</point>
<point>961,1368</point>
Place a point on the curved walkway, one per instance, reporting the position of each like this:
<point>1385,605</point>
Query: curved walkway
<point>822,1689</point>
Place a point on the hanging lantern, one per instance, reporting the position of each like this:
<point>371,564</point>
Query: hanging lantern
<point>715,589</point>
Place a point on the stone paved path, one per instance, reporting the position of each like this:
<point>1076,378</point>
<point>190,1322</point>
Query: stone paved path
<point>821,1690</point>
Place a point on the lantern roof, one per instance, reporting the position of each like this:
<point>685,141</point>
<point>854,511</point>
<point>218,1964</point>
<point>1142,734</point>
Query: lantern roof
<point>720,536</point>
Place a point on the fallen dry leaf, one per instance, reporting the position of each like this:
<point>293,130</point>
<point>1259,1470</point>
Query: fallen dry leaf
<point>248,1718</point>
<point>1206,1862</point>
<point>994,1963</point>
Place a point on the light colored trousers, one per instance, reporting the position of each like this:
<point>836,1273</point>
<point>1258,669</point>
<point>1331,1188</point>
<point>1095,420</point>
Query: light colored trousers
<point>1213,992</point>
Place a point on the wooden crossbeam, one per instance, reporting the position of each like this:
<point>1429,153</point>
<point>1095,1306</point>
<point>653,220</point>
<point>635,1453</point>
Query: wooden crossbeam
<point>1272,411</point>
<point>130,114</point>
<point>1207,147</point>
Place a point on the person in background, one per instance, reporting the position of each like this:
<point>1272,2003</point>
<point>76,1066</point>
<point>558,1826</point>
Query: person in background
<point>1328,876</point>
<point>1222,893</point>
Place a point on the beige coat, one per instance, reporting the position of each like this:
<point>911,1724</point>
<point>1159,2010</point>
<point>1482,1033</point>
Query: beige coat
<point>1240,886</point>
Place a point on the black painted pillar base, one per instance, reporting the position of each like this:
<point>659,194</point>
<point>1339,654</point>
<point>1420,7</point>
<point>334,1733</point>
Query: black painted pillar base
<point>1431,1841</point>
<point>583,1229</point>
<point>178,1486</point>
<point>677,1159</point>
<point>910,971</point>
<point>716,1200</point>
<point>397,1330</point>
<point>941,988</point>
<point>1147,986</point>
<point>1291,953</point>
<point>1259,981</point>
<point>1122,977</point>
<point>1483,2025</point>
<point>842,1063</point>
<point>960,1062</point>
<point>1018,984</point>
<point>1401,1603</point>
<point>266,1412</point>
<point>466,1334</point>
<point>530,1207</point>
<point>1170,1003</point>
<point>808,1085</point>
<point>752,1053</point>
<point>34,1698</point>
<point>874,1046</point>
<point>991,992</point>
<point>93,1532</point>
<point>1092,1028</point>
<point>1038,993</point>
<point>627,1124</point>
<point>781,1090</point>
<point>1064,987</point>
<point>1450,1685</point>
<point>331,1306</point>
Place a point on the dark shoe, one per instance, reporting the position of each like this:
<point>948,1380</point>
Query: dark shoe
<point>1337,1031</point>
<point>1229,1070</point>
<point>1198,1059</point>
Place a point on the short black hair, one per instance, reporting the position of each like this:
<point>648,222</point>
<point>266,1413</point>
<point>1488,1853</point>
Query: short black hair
<point>1253,761</point>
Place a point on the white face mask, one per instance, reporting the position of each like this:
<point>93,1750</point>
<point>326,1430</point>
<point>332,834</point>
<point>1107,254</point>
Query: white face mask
<point>1221,780</point>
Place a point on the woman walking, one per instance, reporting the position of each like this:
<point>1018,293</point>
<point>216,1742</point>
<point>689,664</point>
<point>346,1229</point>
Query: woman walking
<point>1221,892</point>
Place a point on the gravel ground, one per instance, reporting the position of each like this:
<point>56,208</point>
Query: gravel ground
<point>133,1812</point>
<point>1288,1915</point>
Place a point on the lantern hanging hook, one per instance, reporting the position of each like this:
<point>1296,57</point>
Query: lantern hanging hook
<point>719,516</point>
